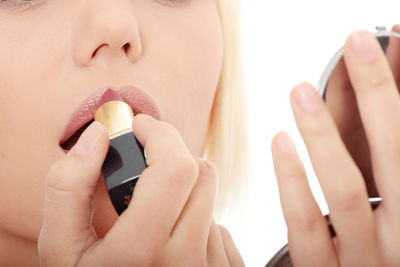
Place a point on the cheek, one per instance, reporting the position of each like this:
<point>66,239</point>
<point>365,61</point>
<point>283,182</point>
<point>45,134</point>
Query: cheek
<point>185,59</point>
<point>28,66</point>
<point>189,58</point>
<point>200,55</point>
<point>28,69</point>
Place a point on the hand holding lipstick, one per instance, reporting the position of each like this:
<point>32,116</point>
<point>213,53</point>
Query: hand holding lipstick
<point>168,222</point>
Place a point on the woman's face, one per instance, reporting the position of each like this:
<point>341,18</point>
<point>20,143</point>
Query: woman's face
<point>55,54</point>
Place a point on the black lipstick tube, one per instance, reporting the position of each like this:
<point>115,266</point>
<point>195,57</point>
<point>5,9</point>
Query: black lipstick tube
<point>126,159</point>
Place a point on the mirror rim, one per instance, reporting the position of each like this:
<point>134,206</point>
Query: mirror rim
<point>323,82</point>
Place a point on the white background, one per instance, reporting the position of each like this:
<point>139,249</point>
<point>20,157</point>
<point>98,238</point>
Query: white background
<point>287,42</point>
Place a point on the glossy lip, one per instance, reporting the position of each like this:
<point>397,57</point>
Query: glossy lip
<point>138,100</point>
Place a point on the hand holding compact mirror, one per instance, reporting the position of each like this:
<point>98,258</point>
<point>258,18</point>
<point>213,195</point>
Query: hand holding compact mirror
<point>336,89</point>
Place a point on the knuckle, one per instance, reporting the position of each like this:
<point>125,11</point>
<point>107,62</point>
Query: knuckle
<point>197,258</point>
<point>56,177</point>
<point>320,131</point>
<point>294,171</point>
<point>188,166</point>
<point>183,167</point>
<point>144,255</point>
<point>319,127</point>
<point>185,254</point>
<point>378,81</point>
<point>49,255</point>
<point>61,178</point>
<point>349,198</point>
<point>306,222</point>
<point>200,261</point>
<point>168,130</point>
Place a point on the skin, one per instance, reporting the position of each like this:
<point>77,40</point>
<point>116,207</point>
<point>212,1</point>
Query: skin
<point>364,237</point>
<point>48,68</point>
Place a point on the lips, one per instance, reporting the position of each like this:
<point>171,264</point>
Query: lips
<point>138,100</point>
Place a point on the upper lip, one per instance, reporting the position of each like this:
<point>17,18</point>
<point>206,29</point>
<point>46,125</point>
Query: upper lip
<point>137,99</point>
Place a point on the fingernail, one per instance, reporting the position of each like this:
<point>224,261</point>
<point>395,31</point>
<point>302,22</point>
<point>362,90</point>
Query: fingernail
<point>363,46</point>
<point>307,99</point>
<point>144,116</point>
<point>284,143</point>
<point>207,164</point>
<point>88,140</point>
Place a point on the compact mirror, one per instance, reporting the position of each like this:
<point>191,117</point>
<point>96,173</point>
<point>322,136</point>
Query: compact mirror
<point>336,89</point>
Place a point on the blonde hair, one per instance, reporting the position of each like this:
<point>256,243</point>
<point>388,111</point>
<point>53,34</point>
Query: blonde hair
<point>227,144</point>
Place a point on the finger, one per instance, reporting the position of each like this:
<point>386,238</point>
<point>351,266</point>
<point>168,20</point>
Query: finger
<point>163,187</point>
<point>70,185</point>
<point>193,225</point>
<point>216,255</point>
<point>340,179</point>
<point>302,214</point>
<point>379,105</point>
<point>234,257</point>
<point>393,54</point>
<point>341,102</point>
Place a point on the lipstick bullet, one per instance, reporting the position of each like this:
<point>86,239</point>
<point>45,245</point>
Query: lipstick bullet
<point>125,160</point>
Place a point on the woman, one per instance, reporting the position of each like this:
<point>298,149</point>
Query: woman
<point>58,56</point>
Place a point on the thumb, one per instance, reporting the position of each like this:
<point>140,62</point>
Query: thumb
<point>70,185</point>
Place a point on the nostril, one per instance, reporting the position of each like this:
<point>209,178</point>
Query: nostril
<point>95,51</point>
<point>126,47</point>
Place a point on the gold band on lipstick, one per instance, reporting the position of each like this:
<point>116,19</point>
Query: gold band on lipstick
<point>116,116</point>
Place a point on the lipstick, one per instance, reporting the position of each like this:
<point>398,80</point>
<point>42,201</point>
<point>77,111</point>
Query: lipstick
<point>125,160</point>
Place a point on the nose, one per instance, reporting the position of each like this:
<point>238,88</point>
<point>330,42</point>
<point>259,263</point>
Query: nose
<point>105,30</point>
